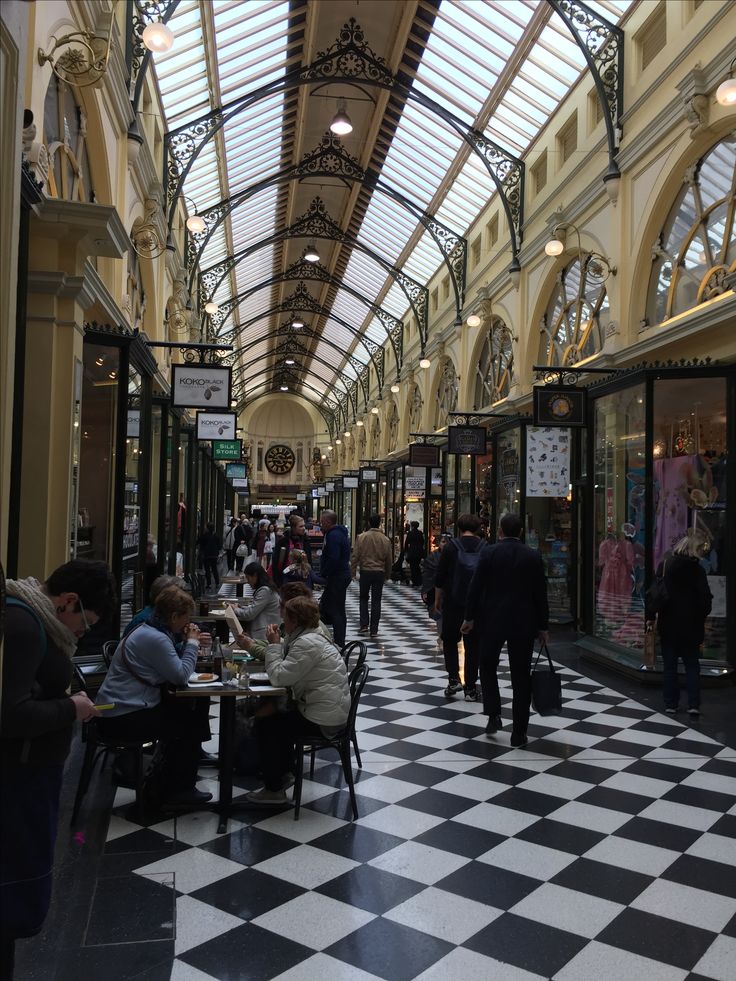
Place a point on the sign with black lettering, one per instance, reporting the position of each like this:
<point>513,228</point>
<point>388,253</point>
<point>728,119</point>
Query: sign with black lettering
<point>200,386</point>
<point>424,455</point>
<point>559,405</point>
<point>350,483</point>
<point>467,439</point>
<point>216,425</point>
<point>368,474</point>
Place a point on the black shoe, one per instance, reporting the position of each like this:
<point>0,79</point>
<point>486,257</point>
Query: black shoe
<point>208,759</point>
<point>472,693</point>
<point>188,797</point>
<point>495,722</point>
<point>453,687</point>
<point>362,630</point>
<point>518,740</point>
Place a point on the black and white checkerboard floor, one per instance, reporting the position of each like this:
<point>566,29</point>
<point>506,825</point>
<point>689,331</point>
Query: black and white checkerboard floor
<point>604,850</point>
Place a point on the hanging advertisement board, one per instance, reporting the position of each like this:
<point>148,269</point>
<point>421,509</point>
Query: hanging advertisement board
<point>559,405</point>
<point>235,471</point>
<point>547,461</point>
<point>200,386</point>
<point>227,449</point>
<point>216,425</point>
<point>424,455</point>
<point>466,439</point>
<point>368,474</point>
<point>350,483</point>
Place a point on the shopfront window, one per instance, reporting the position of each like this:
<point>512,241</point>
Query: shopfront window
<point>132,499</point>
<point>415,482</point>
<point>450,510</point>
<point>619,503</point>
<point>696,249</point>
<point>690,491</point>
<point>464,485</point>
<point>97,451</point>
<point>484,488</point>
<point>508,489</point>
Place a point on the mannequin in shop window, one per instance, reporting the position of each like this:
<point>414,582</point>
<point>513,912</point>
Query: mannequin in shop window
<point>616,557</point>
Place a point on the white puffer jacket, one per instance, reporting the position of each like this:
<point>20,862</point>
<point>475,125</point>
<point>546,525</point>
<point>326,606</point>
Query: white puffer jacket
<point>313,668</point>
<point>259,612</point>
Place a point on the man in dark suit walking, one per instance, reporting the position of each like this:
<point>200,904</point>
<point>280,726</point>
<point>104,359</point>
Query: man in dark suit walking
<point>507,602</point>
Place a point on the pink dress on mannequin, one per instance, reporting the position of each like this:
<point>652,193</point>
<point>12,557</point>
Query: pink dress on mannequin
<point>614,592</point>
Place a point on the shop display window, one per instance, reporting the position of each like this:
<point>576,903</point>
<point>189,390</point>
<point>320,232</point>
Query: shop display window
<point>689,487</point>
<point>619,504</point>
<point>508,488</point>
<point>484,489</point>
<point>131,518</point>
<point>450,510</point>
<point>464,488</point>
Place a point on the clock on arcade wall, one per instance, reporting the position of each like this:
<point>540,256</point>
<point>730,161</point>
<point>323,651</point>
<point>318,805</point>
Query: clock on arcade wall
<point>279,459</point>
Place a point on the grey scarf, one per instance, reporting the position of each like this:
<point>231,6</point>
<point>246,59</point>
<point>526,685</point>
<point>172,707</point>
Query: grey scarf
<point>31,591</point>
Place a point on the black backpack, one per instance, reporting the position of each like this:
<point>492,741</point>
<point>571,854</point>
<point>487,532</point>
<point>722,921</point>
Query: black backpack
<point>466,563</point>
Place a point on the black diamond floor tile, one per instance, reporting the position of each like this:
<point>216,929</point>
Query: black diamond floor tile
<point>357,842</point>
<point>658,833</point>
<point>606,881</point>
<point>527,944</point>
<point>487,884</point>
<point>460,839</point>
<point>615,800</point>
<point>371,889</point>
<point>390,950</point>
<point>657,937</point>
<point>247,894</point>
<point>528,801</point>
<point>438,803</point>
<point>248,948</point>
<point>248,846</point>
<point>562,837</point>
<point>701,873</point>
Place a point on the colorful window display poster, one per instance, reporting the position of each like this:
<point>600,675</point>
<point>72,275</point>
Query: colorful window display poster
<point>547,461</point>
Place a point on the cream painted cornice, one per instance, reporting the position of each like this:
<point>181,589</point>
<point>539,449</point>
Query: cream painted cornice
<point>94,227</point>
<point>653,339</point>
<point>146,180</point>
<point>101,295</point>
<point>60,284</point>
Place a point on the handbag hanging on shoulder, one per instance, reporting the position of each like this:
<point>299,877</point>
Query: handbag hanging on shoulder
<point>657,596</point>
<point>546,685</point>
<point>242,550</point>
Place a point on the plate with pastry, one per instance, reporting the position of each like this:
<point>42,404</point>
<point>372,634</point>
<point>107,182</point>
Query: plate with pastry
<point>204,678</point>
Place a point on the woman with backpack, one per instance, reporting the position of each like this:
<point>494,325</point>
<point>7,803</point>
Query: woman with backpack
<point>455,569</point>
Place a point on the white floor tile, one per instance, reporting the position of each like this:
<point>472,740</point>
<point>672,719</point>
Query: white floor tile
<point>719,959</point>
<point>325,968</point>
<point>419,862</point>
<point>530,859</point>
<point>697,907</point>
<point>195,828</point>
<point>631,783</point>
<point>193,868</point>
<point>311,824</point>
<point>546,783</point>
<point>633,855</point>
<point>474,788</point>
<point>196,923</point>
<point>314,920</point>
<point>119,827</point>
<point>306,866</point>
<point>605,963</point>
<point>185,972</point>
<point>640,738</point>
<point>387,789</point>
<point>712,781</point>
<point>444,915</point>
<point>589,816</point>
<point>567,909</point>
<point>500,820</point>
<point>434,740</point>
<point>716,848</point>
<point>470,966</point>
<point>401,821</point>
<point>683,815</point>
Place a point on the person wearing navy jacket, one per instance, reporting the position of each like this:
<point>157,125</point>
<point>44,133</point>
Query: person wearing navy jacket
<point>335,571</point>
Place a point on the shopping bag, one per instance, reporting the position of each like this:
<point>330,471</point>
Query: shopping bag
<point>546,686</point>
<point>650,647</point>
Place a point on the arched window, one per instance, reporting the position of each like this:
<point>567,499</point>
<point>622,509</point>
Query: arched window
<point>574,326</point>
<point>495,368</point>
<point>696,249</point>
<point>416,405</point>
<point>392,425</point>
<point>446,394</point>
<point>65,135</point>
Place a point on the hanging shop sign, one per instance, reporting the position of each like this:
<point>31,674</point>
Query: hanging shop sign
<point>350,483</point>
<point>227,449</point>
<point>368,474</point>
<point>559,405</point>
<point>235,471</point>
<point>216,425</point>
<point>301,497</point>
<point>330,486</point>
<point>414,484</point>
<point>133,429</point>
<point>466,439</point>
<point>547,461</point>
<point>424,455</point>
<point>240,484</point>
<point>201,386</point>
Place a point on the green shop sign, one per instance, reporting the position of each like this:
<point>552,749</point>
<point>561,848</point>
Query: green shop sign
<point>227,449</point>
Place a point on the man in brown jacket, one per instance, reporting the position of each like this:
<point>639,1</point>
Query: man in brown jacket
<point>373,555</point>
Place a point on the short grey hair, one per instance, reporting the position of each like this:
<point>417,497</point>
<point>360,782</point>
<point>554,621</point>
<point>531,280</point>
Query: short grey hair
<point>330,515</point>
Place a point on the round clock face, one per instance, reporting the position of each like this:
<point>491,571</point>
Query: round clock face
<point>560,407</point>
<point>279,459</point>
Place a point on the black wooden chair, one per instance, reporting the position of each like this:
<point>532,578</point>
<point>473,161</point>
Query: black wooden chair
<point>340,742</point>
<point>362,653</point>
<point>108,649</point>
<point>98,747</point>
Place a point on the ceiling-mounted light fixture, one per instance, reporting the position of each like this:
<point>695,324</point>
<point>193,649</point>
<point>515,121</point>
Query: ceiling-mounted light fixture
<point>296,322</point>
<point>311,254</point>
<point>425,363</point>
<point>289,361</point>
<point>395,388</point>
<point>338,442</point>
<point>284,388</point>
<point>157,37</point>
<point>329,447</point>
<point>341,124</point>
<point>233,403</point>
<point>473,320</point>
<point>726,91</point>
<point>211,307</point>
<point>592,263</point>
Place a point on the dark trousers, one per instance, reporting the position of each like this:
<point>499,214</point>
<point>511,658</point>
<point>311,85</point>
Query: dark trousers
<point>371,584</point>
<point>181,725</point>
<point>415,564</point>
<point>210,569</point>
<point>450,637</point>
<point>276,736</point>
<point>670,681</point>
<point>29,818</point>
<point>520,648</point>
<point>332,606</point>
<point>230,558</point>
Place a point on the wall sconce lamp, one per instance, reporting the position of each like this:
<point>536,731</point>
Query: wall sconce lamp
<point>157,37</point>
<point>473,320</point>
<point>311,254</point>
<point>726,91</point>
<point>425,363</point>
<point>211,307</point>
<point>79,58</point>
<point>341,124</point>
<point>593,263</point>
<point>396,388</point>
<point>347,433</point>
<point>374,410</point>
<point>195,223</point>
<point>360,423</point>
<point>296,322</point>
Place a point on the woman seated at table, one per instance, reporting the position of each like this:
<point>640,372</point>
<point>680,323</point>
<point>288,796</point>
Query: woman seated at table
<point>263,607</point>
<point>313,668</point>
<point>144,660</point>
<point>258,648</point>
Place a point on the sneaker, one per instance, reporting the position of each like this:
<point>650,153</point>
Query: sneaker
<point>694,713</point>
<point>495,722</point>
<point>453,687</point>
<point>472,693</point>
<point>518,740</point>
<point>266,798</point>
<point>362,630</point>
<point>670,711</point>
<point>374,636</point>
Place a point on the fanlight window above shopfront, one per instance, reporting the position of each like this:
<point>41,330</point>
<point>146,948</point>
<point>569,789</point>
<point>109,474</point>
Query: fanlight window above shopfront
<point>695,253</point>
<point>495,368</point>
<point>60,159</point>
<point>574,326</point>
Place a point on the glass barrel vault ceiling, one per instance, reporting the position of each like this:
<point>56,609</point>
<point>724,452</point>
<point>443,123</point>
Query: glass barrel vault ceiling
<point>502,66</point>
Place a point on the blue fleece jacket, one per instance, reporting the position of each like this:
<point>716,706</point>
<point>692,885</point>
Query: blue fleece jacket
<point>335,560</point>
